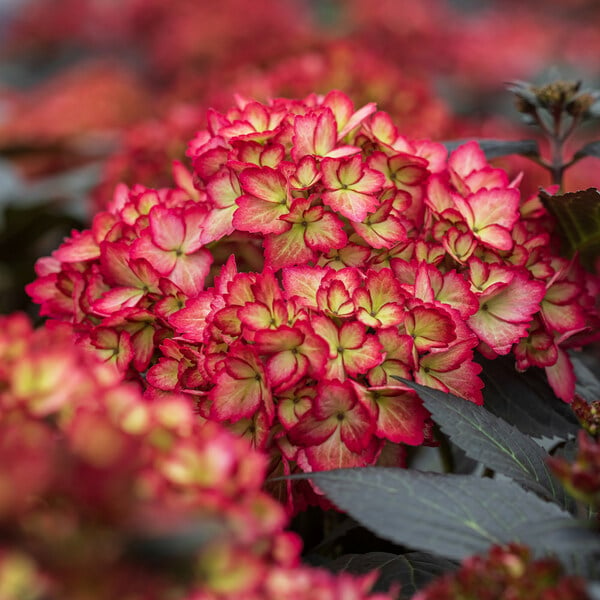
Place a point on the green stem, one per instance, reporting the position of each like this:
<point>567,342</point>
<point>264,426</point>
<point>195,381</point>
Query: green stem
<point>556,161</point>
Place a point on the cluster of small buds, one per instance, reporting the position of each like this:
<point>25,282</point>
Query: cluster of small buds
<point>588,414</point>
<point>97,484</point>
<point>556,98</point>
<point>506,573</point>
<point>360,255</point>
<point>581,477</point>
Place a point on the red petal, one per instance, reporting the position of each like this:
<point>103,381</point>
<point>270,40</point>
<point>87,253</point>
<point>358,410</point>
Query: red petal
<point>561,377</point>
<point>334,454</point>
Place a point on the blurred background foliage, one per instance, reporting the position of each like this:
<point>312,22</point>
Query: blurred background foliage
<point>95,92</point>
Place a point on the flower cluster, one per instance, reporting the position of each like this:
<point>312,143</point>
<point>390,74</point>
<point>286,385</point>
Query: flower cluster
<point>103,494</point>
<point>363,256</point>
<point>506,573</point>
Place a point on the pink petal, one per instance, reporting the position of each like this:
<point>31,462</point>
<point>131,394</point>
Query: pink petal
<point>349,171</point>
<point>311,432</point>
<point>117,299</point>
<point>191,270</point>
<point>429,328</point>
<point>254,315</point>
<point>114,261</point>
<point>164,375</point>
<point>81,247</point>
<point>285,369</point>
<point>350,204</point>
<point>462,381</point>
<point>167,228</point>
<point>195,220</point>
<point>400,415</point>
<point>357,118</point>
<point>467,158</point>
<point>495,207</point>
<point>234,399</point>
<point>352,335</point>
<point>341,106</point>
<point>495,236</point>
<point>384,234</point>
<point>325,135</point>
<point>162,260</point>
<point>334,454</point>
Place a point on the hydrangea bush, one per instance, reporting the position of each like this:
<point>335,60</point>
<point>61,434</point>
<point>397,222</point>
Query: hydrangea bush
<point>359,256</point>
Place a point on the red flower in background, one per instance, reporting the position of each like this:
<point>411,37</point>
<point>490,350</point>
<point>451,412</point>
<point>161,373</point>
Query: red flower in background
<point>89,468</point>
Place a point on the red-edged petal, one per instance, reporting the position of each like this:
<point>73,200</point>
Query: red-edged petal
<point>350,204</point>
<point>192,320</point>
<point>505,313</point>
<point>259,216</point>
<point>191,270</point>
<point>467,158</point>
<point>265,184</point>
<point>452,371</point>
<point>429,328</point>
<point>302,283</point>
<point>117,299</point>
<point>285,369</point>
<point>288,248</point>
<point>164,375</point>
<point>162,260</point>
<point>400,415</point>
<point>334,454</point>
<point>495,207</point>
<point>269,341</point>
<point>167,228</point>
<point>326,233</point>
<point>241,388</point>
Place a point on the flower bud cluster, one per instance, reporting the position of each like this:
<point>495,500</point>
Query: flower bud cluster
<point>581,477</point>
<point>506,573</point>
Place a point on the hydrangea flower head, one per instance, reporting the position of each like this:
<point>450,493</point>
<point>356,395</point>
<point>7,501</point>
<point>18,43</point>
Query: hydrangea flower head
<point>359,255</point>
